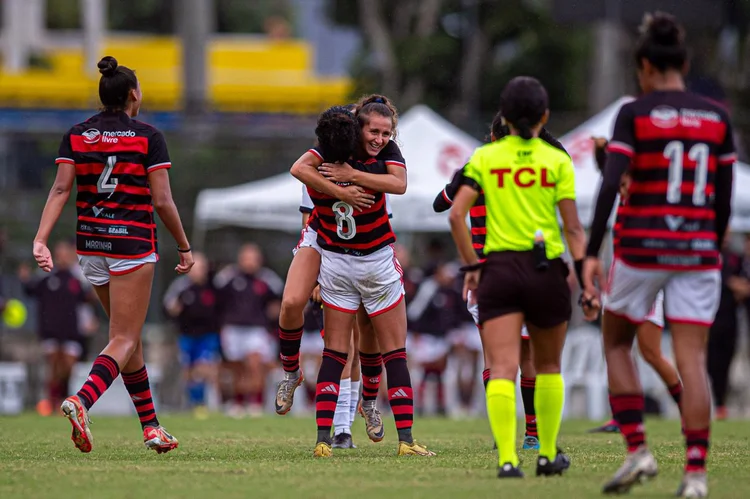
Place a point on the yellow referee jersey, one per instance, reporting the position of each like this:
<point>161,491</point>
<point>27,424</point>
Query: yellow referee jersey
<point>522,180</point>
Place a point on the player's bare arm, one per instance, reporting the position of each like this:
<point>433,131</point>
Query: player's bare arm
<point>58,196</point>
<point>394,182</point>
<point>305,169</point>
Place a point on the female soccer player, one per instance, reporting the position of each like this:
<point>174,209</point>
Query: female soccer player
<point>679,151</point>
<point>523,279</point>
<point>358,265</point>
<point>477,216</point>
<point>302,279</point>
<point>120,166</point>
<point>649,333</point>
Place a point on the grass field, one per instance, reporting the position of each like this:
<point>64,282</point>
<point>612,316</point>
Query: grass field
<point>272,457</point>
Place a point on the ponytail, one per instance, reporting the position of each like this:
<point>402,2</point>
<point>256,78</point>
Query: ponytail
<point>524,128</point>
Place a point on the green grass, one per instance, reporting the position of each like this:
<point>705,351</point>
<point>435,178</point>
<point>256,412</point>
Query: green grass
<point>272,457</point>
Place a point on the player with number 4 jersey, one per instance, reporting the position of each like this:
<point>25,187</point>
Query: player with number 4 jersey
<point>120,166</point>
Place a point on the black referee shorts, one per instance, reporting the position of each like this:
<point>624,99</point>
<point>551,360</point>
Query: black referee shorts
<point>510,283</point>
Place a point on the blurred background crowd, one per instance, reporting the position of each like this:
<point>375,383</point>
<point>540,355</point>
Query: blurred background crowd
<point>236,86</point>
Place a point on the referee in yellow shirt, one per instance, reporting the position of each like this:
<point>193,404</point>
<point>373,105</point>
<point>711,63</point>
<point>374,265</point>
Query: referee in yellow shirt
<point>524,180</point>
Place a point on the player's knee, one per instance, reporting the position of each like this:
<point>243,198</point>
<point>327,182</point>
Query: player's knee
<point>650,355</point>
<point>503,368</point>
<point>126,344</point>
<point>293,305</point>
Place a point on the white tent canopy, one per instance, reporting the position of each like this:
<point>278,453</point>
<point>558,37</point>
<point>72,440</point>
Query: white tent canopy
<point>434,149</point>
<point>579,145</point>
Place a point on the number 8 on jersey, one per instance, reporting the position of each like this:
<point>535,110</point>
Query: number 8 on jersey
<point>346,227</point>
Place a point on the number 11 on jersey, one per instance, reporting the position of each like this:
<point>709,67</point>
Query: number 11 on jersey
<point>675,153</point>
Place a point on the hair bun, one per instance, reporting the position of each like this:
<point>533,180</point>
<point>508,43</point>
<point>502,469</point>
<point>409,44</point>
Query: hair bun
<point>663,29</point>
<point>107,65</point>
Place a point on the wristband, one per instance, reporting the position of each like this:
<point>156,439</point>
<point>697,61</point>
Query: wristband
<point>578,265</point>
<point>471,268</point>
<point>184,250</point>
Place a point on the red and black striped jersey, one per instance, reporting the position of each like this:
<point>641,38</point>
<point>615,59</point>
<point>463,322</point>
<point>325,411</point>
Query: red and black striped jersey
<point>478,212</point>
<point>390,152</point>
<point>676,143</point>
<point>113,155</point>
<point>341,228</point>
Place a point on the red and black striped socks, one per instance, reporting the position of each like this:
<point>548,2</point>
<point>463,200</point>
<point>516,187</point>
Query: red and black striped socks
<point>697,442</point>
<point>289,345</point>
<point>527,394</point>
<point>104,371</point>
<point>400,394</point>
<point>485,378</point>
<point>628,412</point>
<point>140,393</point>
<point>372,369</point>
<point>327,391</point>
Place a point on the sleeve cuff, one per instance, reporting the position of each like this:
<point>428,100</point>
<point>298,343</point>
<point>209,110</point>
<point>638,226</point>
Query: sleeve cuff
<point>159,166</point>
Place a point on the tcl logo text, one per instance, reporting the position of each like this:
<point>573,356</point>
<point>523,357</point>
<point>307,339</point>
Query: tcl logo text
<point>523,177</point>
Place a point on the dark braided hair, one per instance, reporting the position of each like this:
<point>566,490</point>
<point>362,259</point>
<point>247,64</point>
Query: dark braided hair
<point>338,134</point>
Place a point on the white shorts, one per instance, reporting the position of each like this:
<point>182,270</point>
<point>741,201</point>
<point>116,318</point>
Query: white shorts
<point>98,269</point>
<point>238,342</point>
<point>656,314</point>
<point>689,296</point>
<point>312,343</point>
<point>374,280</point>
<point>467,336</point>
<point>68,347</point>
<point>308,239</point>
<point>425,348</point>
<point>474,311</point>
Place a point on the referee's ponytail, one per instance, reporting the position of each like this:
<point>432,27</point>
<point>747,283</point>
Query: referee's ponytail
<point>524,104</point>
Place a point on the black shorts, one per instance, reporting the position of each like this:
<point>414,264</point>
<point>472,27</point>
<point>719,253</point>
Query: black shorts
<point>510,283</point>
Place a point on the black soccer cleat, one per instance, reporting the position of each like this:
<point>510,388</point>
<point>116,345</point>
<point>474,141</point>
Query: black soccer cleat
<point>343,441</point>
<point>509,471</point>
<point>545,467</point>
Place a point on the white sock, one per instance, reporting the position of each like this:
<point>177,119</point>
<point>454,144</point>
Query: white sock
<point>341,422</point>
<point>353,402</point>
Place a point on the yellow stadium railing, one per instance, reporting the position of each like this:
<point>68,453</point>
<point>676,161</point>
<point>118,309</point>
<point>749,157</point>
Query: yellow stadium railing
<point>244,75</point>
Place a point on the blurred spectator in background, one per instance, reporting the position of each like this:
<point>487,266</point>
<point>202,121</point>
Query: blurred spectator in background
<point>722,339</point>
<point>192,301</point>
<point>249,301</point>
<point>433,312</point>
<point>59,295</point>
<point>277,28</point>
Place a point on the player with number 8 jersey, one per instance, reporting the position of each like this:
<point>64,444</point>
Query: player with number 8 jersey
<point>358,263</point>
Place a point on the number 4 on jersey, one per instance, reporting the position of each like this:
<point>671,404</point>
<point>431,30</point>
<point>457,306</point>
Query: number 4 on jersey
<point>106,184</point>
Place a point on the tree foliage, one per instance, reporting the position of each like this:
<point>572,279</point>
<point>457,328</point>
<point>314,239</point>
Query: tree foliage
<point>456,55</point>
